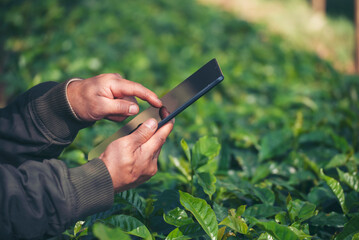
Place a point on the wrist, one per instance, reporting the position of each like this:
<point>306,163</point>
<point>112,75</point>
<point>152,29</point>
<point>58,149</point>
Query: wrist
<point>71,87</point>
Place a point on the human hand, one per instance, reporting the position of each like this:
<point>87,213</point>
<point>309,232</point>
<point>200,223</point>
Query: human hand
<point>108,96</point>
<point>132,160</point>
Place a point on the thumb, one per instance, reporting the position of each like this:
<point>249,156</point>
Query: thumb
<point>145,131</point>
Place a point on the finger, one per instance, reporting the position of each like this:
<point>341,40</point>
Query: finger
<point>159,138</point>
<point>164,112</point>
<point>128,88</point>
<point>119,107</point>
<point>116,118</point>
<point>144,132</point>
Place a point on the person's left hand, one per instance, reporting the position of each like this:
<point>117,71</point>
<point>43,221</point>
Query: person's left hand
<point>108,96</point>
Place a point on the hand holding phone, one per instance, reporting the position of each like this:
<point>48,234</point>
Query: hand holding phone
<point>174,102</point>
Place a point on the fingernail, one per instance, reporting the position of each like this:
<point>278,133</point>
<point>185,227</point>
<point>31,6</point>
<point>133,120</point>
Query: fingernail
<point>151,123</point>
<point>133,109</point>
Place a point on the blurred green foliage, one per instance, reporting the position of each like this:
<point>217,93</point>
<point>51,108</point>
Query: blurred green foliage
<point>280,115</point>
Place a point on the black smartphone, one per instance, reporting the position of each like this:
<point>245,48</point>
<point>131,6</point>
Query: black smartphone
<point>174,102</point>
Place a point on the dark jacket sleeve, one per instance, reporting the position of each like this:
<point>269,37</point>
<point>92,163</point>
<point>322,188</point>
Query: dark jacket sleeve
<point>43,197</point>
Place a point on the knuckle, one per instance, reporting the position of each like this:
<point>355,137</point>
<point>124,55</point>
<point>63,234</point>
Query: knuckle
<point>122,108</point>
<point>161,140</point>
<point>142,134</point>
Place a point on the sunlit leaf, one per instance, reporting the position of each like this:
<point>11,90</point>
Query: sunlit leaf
<point>282,218</point>
<point>240,210</point>
<point>129,225</point>
<point>202,212</point>
<point>336,188</point>
<point>265,236</point>
<point>177,217</point>
<point>103,232</point>
<point>300,234</point>
<point>204,149</point>
<point>355,236</point>
<point>182,166</point>
<point>78,227</point>
<point>207,182</point>
<point>186,149</point>
<point>351,180</point>
<point>277,231</point>
<point>221,233</point>
<point>300,211</point>
<point>235,222</point>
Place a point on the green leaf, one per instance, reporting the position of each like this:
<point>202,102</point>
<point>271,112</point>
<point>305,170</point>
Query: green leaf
<point>332,219</point>
<point>189,231</point>
<point>352,227</point>
<point>337,190</point>
<point>207,182</point>
<point>129,225</point>
<point>205,149</point>
<point>275,144</point>
<point>356,236</point>
<point>261,172</point>
<point>265,236</point>
<point>186,149</point>
<point>265,195</point>
<point>300,211</point>
<point>167,200</point>
<point>300,234</point>
<point>277,231</point>
<point>103,232</point>
<point>202,212</point>
<point>261,211</point>
<point>321,196</point>
<point>75,156</point>
<point>282,218</point>
<point>235,222</point>
<point>310,164</point>
<point>134,199</point>
<point>337,161</point>
<point>221,233</point>
<point>350,179</point>
<point>240,210</point>
<point>177,217</point>
<point>220,211</point>
<point>182,166</point>
<point>78,227</point>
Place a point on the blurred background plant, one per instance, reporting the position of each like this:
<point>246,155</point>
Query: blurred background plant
<point>286,109</point>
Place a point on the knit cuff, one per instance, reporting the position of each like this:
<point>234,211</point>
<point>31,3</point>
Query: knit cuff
<point>55,113</point>
<point>93,189</point>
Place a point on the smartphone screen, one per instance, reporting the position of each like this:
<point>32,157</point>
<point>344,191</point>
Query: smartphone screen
<point>174,102</point>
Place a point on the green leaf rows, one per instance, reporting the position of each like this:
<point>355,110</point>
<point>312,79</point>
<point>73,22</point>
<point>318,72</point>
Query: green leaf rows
<point>259,139</point>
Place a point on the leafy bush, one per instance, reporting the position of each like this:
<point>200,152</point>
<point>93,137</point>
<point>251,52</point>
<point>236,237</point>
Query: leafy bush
<point>269,154</point>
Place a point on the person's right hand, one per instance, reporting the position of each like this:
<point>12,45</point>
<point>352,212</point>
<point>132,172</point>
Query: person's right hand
<point>132,160</point>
